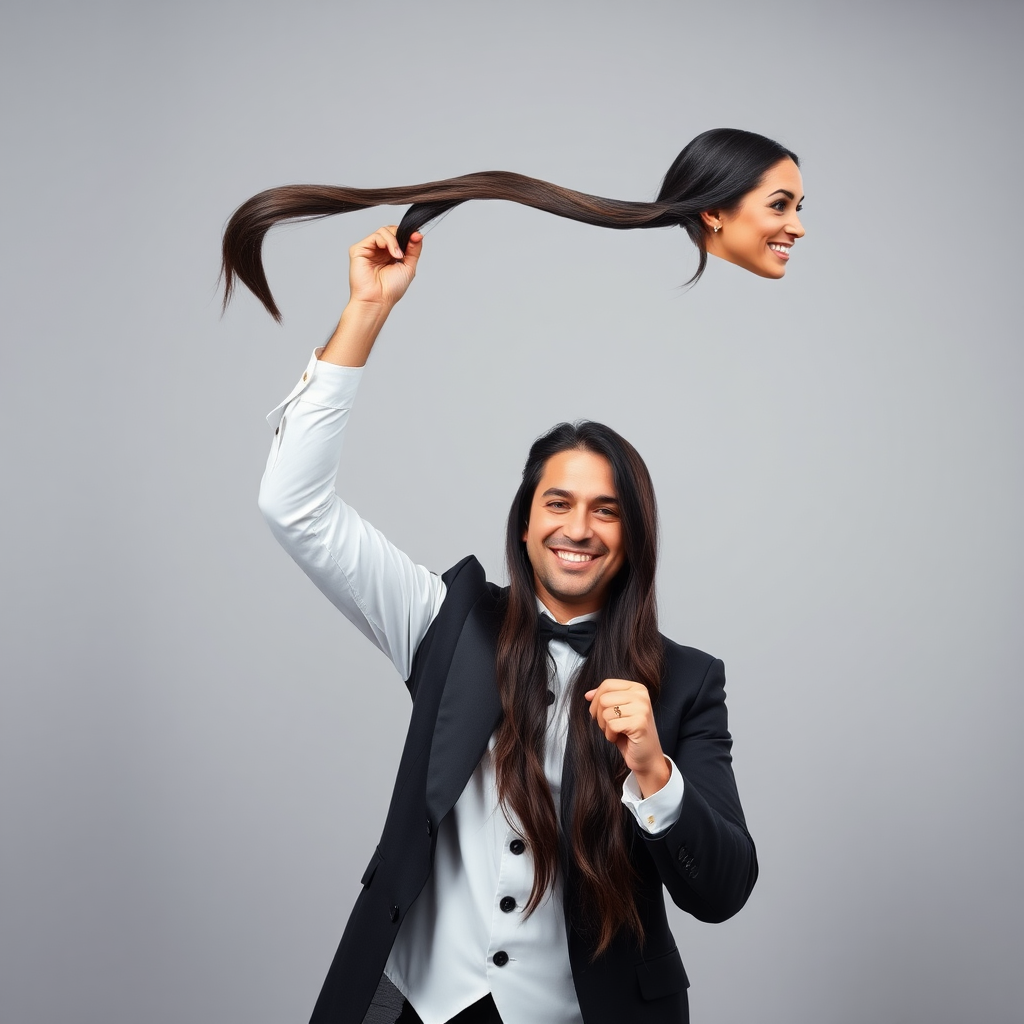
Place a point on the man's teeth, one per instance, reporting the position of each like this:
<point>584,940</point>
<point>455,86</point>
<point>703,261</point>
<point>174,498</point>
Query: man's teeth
<point>573,556</point>
<point>784,249</point>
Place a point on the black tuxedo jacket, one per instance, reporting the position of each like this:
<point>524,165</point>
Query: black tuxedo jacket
<point>706,860</point>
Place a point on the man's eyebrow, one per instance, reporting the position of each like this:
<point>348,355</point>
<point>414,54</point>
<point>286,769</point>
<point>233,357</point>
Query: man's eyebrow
<point>601,499</point>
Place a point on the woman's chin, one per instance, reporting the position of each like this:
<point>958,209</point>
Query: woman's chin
<point>773,271</point>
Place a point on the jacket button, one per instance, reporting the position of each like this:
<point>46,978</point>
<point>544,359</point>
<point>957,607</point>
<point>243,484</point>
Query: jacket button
<point>551,697</point>
<point>500,958</point>
<point>683,853</point>
<point>507,904</point>
<point>517,846</point>
<point>305,376</point>
<point>430,828</point>
<point>394,912</point>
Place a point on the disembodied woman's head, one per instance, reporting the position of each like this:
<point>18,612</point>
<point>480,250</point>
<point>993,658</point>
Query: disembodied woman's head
<point>705,191</point>
<point>749,191</point>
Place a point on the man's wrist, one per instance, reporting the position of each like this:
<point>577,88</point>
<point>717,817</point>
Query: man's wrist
<point>366,310</point>
<point>654,780</point>
<point>357,330</point>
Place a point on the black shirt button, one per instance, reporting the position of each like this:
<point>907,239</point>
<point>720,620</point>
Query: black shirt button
<point>507,904</point>
<point>500,958</point>
<point>517,846</point>
<point>551,697</point>
<point>394,912</point>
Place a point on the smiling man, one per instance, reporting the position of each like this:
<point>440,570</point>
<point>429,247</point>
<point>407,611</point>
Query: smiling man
<point>574,534</point>
<point>565,764</point>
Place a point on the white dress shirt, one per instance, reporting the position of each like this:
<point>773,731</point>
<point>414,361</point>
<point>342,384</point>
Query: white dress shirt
<point>471,907</point>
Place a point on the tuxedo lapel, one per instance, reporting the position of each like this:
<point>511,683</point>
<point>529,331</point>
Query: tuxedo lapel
<point>468,712</point>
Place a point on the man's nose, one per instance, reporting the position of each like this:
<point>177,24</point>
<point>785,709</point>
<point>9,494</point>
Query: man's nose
<point>577,526</point>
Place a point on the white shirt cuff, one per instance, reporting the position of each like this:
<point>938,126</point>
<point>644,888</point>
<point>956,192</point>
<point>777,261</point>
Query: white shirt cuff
<point>325,384</point>
<point>661,810</point>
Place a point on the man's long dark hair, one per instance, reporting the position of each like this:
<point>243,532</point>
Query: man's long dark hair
<point>627,646</point>
<point>714,172</point>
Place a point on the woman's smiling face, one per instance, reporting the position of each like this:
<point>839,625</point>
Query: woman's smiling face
<point>759,233</point>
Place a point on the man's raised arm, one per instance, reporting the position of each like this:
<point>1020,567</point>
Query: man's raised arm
<point>376,586</point>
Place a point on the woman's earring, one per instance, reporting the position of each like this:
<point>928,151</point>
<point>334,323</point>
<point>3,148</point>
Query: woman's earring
<point>716,227</point>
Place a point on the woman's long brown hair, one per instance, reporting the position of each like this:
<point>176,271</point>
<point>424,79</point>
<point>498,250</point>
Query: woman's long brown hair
<point>714,172</point>
<point>627,646</point>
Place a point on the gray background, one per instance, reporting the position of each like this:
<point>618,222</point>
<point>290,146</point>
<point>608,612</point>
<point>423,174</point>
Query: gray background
<point>196,751</point>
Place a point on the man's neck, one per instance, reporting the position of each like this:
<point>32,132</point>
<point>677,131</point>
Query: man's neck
<point>561,611</point>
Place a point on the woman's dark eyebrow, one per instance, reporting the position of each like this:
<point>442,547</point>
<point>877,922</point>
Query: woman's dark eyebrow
<point>787,193</point>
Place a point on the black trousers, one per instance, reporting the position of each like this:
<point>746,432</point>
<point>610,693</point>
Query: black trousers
<point>389,1007</point>
<point>483,1011</point>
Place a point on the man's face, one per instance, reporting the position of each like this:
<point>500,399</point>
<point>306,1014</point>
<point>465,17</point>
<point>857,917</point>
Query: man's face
<point>574,536</point>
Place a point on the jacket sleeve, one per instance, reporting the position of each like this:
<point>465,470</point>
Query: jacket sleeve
<point>706,859</point>
<point>376,586</point>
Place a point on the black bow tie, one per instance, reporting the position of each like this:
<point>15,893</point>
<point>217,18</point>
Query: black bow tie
<point>579,636</point>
